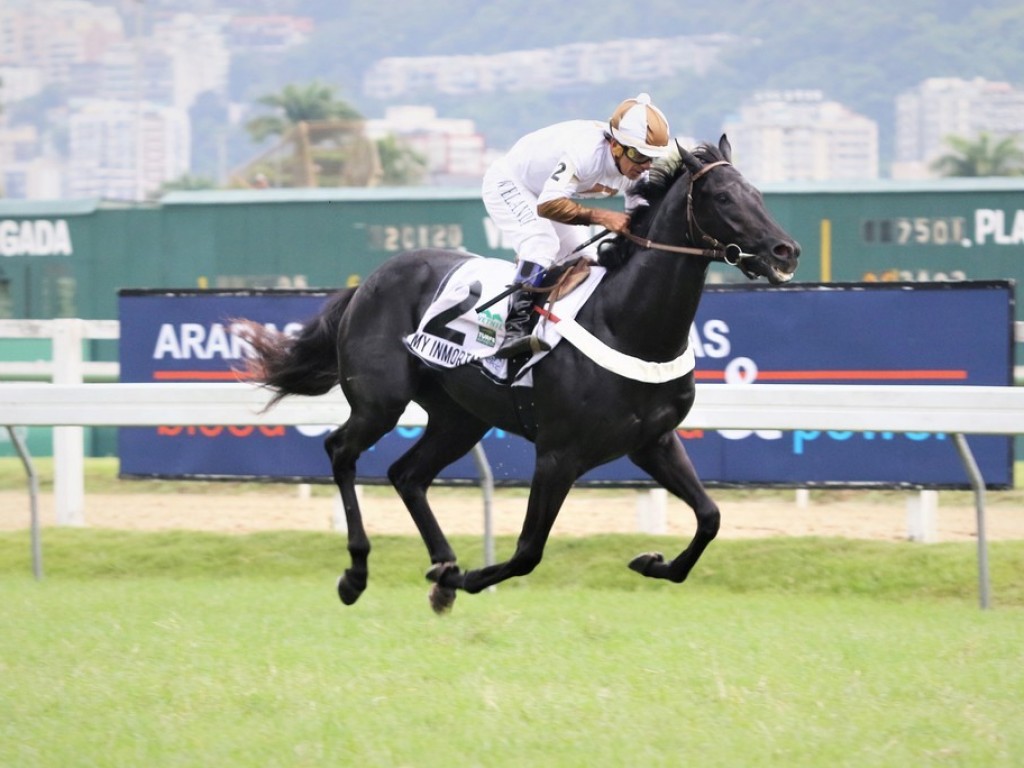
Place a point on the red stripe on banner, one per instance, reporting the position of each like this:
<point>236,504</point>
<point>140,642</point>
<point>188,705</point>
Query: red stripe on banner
<point>912,375</point>
<point>200,376</point>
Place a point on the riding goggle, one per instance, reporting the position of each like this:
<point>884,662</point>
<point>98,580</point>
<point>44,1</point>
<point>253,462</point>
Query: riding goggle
<point>636,157</point>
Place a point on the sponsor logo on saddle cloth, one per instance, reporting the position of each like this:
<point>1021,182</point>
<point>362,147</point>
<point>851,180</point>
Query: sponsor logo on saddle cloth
<point>452,332</point>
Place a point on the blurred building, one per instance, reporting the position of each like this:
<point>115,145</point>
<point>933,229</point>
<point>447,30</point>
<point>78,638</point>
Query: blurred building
<point>26,172</point>
<point>17,83</point>
<point>122,150</point>
<point>545,68</point>
<point>198,49</point>
<point>455,152</point>
<point>267,34</point>
<point>800,136</point>
<point>56,36</point>
<point>185,56</point>
<point>939,107</point>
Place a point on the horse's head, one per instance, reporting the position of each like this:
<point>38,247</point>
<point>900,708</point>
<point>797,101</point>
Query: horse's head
<point>727,212</point>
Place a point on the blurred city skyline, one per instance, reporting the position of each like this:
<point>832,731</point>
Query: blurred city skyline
<point>114,98</point>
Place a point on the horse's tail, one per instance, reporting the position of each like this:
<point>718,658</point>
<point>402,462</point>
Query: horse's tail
<point>306,364</point>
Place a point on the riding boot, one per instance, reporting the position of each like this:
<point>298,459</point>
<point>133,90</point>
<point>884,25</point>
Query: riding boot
<point>520,321</point>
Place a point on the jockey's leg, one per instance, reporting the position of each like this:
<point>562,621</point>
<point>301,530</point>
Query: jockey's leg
<point>521,318</point>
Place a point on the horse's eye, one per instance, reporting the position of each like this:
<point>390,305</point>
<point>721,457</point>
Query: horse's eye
<point>722,197</point>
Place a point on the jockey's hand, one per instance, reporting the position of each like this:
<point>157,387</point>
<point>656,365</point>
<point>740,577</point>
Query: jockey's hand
<point>613,221</point>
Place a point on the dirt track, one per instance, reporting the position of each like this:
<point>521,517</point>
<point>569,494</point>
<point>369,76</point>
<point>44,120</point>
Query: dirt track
<point>461,511</point>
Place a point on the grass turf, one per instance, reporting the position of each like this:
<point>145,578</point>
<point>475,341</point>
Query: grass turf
<point>185,648</point>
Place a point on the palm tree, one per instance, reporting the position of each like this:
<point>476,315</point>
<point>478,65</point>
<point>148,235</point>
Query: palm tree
<point>297,104</point>
<point>982,157</point>
<point>320,134</point>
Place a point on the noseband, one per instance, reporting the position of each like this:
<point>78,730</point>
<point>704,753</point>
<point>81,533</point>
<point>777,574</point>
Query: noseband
<point>730,254</point>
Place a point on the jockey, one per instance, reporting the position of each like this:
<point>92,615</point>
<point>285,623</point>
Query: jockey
<point>531,193</point>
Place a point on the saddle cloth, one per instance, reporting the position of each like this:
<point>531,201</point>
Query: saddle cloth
<point>452,332</point>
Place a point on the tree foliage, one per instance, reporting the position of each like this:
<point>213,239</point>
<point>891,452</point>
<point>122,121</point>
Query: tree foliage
<point>402,166</point>
<point>186,182</point>
<point>297,103</point>
<point>325,137</point>
<point>984,156</point>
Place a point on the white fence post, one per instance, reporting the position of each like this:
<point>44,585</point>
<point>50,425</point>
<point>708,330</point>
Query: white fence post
<point>652,511</point>
<point>68,442</point>
<point>922,513</point>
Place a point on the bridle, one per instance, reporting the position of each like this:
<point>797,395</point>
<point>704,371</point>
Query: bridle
<point>730,254</point>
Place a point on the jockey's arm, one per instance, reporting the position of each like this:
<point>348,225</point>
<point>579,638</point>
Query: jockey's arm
<point>568,211</point>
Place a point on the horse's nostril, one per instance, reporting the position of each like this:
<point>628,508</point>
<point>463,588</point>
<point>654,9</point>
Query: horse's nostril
<point>784,251</point>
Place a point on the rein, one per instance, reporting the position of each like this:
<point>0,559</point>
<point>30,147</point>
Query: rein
<point>730,254</point>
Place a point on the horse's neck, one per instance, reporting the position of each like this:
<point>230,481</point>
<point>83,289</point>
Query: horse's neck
<point>661,299</point>
<point>656,294</point>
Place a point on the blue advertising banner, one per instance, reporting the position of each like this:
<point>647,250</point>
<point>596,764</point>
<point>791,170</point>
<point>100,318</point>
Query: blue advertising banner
<point>886,333</point>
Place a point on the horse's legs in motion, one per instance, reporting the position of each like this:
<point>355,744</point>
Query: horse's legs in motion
<point>666,461</point>
<point>552,481</point>
<point>344,446</point>
<point>449,435</point>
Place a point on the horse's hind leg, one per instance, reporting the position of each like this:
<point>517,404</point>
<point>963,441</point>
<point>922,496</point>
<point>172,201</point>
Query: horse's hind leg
<point>449,435</point>
<point>343,446</point>
<point>666,461</point>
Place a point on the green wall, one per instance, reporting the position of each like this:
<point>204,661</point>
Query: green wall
<point>70,258</point>
<point>959,228</point>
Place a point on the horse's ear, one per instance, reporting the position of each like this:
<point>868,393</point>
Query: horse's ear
<point>725,147</point>
<point>692,163</point>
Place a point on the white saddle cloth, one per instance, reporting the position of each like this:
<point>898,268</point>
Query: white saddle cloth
<point>453,332</point>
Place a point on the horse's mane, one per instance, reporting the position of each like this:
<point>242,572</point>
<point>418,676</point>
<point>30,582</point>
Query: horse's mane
<point>653,189</point>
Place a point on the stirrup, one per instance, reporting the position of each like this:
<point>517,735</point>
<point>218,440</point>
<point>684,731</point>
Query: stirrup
<point>521,346</point>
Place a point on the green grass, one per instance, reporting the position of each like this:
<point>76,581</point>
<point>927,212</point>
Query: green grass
<point>179,648</point>
<point>827,567</point>
<point>194,649</point>
<point>101,476</point>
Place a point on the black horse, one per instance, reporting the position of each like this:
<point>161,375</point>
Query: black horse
<point>700,209</point>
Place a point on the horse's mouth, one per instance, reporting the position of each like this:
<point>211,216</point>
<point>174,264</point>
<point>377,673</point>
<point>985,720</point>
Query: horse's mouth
<point>775,271</point>
<point>779,274</point>
<point>779,264</point>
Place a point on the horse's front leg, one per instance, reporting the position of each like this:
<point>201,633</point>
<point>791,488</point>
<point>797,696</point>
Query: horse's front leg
<point>552,481</point>
<point>665,460</point>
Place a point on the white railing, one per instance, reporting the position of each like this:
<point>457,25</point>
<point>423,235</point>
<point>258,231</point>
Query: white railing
<point>67,366</point>
<point>955,410</point>
<point>68,405</point>
<point>66,335</point>
<point>840,407</point>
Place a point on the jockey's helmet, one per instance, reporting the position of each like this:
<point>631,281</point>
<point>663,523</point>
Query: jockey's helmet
<point>639,124</point>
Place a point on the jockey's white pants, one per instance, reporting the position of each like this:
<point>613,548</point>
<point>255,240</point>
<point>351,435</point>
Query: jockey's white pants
<point>513,209</point>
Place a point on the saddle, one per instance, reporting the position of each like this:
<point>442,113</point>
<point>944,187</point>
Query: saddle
<point>454,332</point>
<point>563,279</point>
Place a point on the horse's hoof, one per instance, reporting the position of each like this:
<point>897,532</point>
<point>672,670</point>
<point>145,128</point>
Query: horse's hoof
<point>348,592</point>
<point>645,563</point>
<point>438,572</point>
<point>441,599</point>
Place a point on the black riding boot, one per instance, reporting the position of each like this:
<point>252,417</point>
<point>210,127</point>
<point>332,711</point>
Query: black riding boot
<point>521,318</point>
